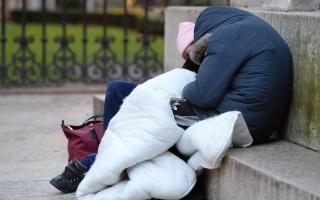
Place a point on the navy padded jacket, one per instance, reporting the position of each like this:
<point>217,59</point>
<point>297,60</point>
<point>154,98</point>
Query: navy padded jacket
<point>247,67</point>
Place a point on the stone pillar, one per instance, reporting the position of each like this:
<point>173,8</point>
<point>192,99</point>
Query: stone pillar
<point>91,5</point>
<point>292,5</point>
<point>247,3</point>
<point>219,2</point>
<point>34,5</point>
<point>14,5</point>
<point>173,16</point>
<point>279,5</point>
<point>51,5</point>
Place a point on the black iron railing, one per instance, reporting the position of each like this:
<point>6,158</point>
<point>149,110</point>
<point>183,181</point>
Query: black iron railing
<point>25,69</point>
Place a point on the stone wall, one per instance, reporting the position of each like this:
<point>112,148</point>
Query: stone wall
<point>279,5</point>
<point>301,30</point>
<point>173,16</point>
<point>292,5</point>
<point>246,3</point>
<point>302,33</point>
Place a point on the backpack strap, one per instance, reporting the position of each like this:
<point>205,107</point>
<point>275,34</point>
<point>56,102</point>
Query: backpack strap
<point>94,117</point>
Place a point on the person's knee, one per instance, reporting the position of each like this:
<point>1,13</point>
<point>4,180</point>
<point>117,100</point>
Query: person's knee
<point>115,85</point>
<point>119,88</point>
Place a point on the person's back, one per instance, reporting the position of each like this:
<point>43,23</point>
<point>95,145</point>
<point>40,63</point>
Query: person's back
<point>247,67</point>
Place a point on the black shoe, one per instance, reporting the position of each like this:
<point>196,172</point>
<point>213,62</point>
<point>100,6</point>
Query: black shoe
<point>69,180</point>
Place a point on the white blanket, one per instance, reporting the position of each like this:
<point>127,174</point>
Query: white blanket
<point>133,162</point>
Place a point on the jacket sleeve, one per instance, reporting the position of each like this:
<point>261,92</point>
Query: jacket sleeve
<point>225,54</point>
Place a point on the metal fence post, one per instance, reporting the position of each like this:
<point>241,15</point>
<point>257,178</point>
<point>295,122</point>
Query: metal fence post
<point>84,40</point>
<point>44,41</point>
<point>125,40</point>
<point>3,42</point>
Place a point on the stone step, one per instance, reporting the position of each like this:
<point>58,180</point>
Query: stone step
<point>98,104</point>
<point>279,171</point>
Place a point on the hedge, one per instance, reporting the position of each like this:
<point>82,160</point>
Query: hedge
<point>115,18</point>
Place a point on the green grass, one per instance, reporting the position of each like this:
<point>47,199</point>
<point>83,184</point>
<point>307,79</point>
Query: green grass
<point>75,30</point>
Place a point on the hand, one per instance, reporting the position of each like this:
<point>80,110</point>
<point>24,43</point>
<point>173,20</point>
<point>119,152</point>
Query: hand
<point>183,112</point>
<point>181,107</point>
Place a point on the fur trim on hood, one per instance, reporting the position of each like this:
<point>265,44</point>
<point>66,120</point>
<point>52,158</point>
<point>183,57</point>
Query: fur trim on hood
<point>198,50</point>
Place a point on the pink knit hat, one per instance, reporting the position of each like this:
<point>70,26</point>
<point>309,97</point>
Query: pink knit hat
<point>185,36</point>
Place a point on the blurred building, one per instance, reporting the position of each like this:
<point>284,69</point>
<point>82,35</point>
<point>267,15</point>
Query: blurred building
<point>50,4</point>
<point>92,5</point>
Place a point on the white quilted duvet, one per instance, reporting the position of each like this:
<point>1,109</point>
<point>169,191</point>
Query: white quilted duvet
<point>133,162</point>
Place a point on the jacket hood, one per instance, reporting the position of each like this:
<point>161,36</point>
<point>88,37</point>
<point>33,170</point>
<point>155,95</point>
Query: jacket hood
<point>213,17</point>
<point>197,52</point>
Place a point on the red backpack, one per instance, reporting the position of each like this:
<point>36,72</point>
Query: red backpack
<point>84,139</point>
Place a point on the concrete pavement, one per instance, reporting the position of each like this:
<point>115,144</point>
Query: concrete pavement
<point>32,145</point>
